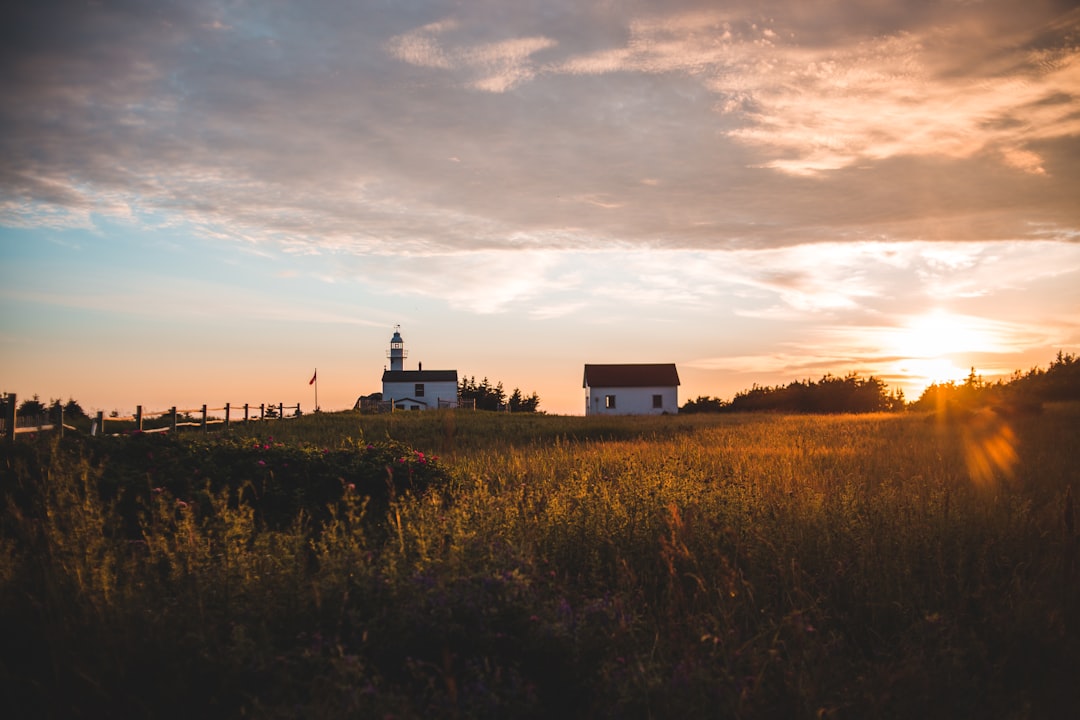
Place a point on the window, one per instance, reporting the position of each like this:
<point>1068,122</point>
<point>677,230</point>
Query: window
<point>419,390</point>
<point>658,401</point>
<point>609,402</point>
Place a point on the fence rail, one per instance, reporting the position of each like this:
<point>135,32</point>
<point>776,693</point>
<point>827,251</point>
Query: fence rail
<point>11,424</point>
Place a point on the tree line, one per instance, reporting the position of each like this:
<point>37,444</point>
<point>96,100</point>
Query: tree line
<point>1059,381</point>
<point>35,408</point>
<point>493,397</point>
<point>854,394</point>
<point>849,394</point>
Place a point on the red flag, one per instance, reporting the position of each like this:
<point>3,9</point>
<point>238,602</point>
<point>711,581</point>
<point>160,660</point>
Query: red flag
<point>312,381</point>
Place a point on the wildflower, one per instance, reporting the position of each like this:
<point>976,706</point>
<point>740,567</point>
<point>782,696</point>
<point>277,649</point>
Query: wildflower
<point>181,504</point>
<point>261,463</point>
<point>158,490</point>
<point>351,486</point>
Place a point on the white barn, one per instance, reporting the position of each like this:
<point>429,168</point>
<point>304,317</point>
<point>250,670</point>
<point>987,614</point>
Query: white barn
<point>416,389</point>
<point>634,389</point>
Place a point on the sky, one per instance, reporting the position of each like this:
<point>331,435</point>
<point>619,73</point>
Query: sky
<point>206,201</point>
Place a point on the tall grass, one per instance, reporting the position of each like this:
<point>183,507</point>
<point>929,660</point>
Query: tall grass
<point>762,566</point>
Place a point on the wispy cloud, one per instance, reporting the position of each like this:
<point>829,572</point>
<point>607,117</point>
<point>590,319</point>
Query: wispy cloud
<point>826,108</point>
<point>493,67</point>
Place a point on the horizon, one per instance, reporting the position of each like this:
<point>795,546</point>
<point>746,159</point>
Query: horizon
<point>205,203</point>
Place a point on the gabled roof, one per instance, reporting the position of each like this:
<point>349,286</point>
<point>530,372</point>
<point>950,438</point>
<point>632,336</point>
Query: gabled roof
<point>415,376</point>
<point>633,375</point>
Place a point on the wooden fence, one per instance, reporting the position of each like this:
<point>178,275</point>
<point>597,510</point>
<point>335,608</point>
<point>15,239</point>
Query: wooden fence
<point>11,424</point>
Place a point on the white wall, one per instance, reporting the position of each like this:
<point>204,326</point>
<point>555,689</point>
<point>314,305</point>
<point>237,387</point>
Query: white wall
<point>633,401</point>
<point>433,392</point>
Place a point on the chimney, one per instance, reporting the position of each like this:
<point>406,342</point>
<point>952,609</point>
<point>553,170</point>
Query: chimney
<point>419,366</point>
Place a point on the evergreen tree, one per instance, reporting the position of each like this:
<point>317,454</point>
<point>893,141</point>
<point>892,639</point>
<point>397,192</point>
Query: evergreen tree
<point>32,408</point>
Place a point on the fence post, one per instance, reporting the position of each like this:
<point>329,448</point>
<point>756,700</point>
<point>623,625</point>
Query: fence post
<point>226,416</point>
<point>100,422</point>
<point>281,411</point>
<point>245,413</point>
<point>204,417</point>
<point>262,411</point>
<point>9,418</point>
<point>172,419</point>
<point>61,428</point>
<point>297,409</point>
<point>138,418</point>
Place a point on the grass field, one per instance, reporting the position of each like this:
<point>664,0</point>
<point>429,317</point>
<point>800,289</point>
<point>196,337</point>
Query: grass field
<point>490,565</point>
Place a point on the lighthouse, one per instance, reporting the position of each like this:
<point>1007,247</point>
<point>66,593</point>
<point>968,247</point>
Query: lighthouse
<point>415,389</point>
<point>397,353</point>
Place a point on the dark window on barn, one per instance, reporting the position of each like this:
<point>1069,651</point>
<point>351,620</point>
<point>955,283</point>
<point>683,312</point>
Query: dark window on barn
<point>609,402</point>
<point>658,401</point>
<point>419,390</point>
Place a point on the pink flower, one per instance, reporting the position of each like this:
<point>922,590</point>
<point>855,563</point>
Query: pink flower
<point>181,504</point>
<point>351,486</point>
<point>261,463</point>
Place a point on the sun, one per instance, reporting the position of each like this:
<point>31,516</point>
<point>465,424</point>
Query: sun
<point>930,346</point>
<point>938,334</point>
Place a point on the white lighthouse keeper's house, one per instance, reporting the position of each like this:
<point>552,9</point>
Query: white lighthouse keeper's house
<point>631,389</point>
<point>416,389</point>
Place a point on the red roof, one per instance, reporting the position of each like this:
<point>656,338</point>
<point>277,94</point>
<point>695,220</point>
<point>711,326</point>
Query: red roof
<point>633,375</point>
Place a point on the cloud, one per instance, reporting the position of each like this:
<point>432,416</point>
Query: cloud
<point>493,67</point>
<point>824,108</point>
<point>328,130</point>
<point>820,282</point>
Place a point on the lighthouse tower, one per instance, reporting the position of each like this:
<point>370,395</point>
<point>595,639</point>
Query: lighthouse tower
<point>397,353</point>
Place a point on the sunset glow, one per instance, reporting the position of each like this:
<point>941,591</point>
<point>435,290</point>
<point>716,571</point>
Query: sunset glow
<point>204,202</point>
